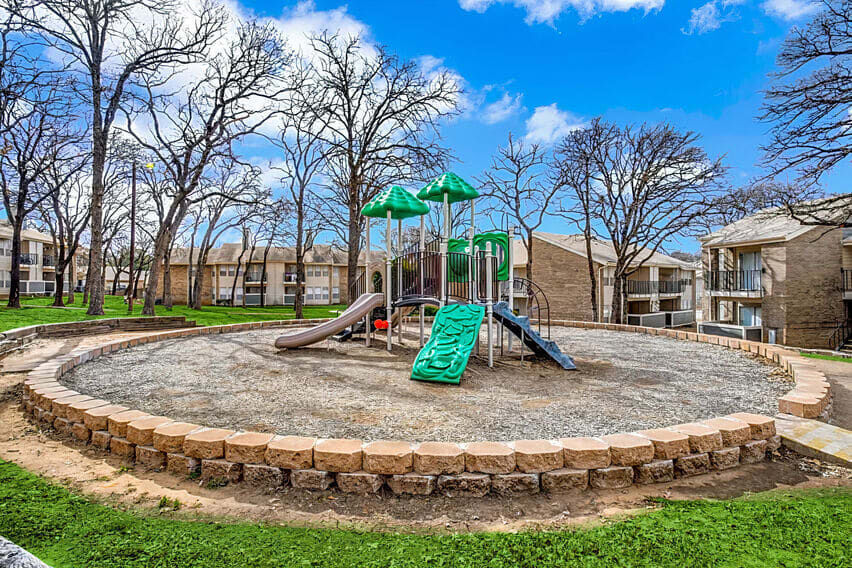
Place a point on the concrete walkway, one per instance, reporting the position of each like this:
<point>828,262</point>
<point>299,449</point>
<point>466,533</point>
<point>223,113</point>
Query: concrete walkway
<point>839,374</point>
<point>815,439</point>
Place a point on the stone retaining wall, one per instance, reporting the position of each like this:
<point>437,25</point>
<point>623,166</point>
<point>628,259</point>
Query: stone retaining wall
<point>472,469</point>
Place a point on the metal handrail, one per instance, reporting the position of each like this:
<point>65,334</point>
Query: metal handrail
<point>538,306</point>
<point>735,281</point>
<point>841,334</point>
<point>845,280</point>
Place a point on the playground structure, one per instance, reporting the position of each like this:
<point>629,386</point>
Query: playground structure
<point>469,280</point>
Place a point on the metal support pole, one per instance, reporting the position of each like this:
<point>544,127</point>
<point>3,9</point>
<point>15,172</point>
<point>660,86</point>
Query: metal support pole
<point>368,324</point>
<point>388,282</point>
<point>473,291</point>
<point>489,305</point>
<point>421,309</point>
<point>511,260</point>
<point>445,241</point>
<point>399,278</point>
<point>479,332</point>
<point>130,281</point>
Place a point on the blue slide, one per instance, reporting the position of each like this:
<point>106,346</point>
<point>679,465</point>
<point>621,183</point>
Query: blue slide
<point>521,328</point>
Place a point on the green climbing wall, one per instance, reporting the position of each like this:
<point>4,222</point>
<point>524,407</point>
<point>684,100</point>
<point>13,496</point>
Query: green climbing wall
<point>499,245</point>
<point>454,332</point>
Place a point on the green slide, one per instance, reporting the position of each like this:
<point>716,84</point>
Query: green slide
<point>453,336</point>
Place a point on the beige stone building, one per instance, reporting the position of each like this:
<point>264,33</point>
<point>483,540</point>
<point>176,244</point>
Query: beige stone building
<point>661,293</point>
<point>38,258</point>
<point>325,276</point>
<point>769,278</point>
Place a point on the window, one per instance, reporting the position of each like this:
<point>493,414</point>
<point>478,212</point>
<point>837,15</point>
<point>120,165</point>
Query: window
<point>325,292</point>
<point>231,270</point>
<point>325,271</point>
<point>335,293</point>
<point>750,316</point>
<point>223,271</point>
<point>337,273</point>
<point>310,294</point>
<point>310,271</point>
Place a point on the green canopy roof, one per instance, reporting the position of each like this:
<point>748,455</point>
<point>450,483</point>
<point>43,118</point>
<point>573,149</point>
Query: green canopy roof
<point>400,202</point>
<point>455,187</point>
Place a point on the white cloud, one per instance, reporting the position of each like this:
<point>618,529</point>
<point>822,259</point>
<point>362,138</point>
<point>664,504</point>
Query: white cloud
<point>790,9</point>
<point>547,11</point>
<point>500,110</point>
<point>711,16</point>
<point>548,124</point>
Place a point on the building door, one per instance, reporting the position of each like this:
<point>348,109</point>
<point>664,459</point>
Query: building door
<point>749,271</point>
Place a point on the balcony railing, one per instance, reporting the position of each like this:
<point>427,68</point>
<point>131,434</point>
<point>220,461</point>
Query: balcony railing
<point>256,277</point>
<point>735,281</point>
<point>846,280</point>
<point>649,287</point>
<point>290,277</point>
<point>28,258</point>
<point>48,260</point>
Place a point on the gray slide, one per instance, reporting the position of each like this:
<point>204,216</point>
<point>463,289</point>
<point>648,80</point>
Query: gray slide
<point>357,311</point>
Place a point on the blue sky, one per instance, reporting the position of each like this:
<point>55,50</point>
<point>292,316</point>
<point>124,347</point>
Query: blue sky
<point>537,67</point>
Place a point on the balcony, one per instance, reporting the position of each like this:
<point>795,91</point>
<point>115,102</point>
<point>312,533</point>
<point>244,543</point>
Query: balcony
<point>735,283</point>
<point>48,260</point>
<point>290,278</point>
<point>28,259</point>
<point>255,278</point>
<point>846,283</point>
<point>654,287</point>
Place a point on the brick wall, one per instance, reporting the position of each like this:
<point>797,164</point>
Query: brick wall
<point>773,259</point>
<point>564,278</point>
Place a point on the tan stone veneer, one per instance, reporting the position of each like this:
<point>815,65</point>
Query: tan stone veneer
<point>473,469</point>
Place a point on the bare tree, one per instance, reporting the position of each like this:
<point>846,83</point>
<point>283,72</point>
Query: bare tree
<point>380,119</point>
<point>66,213</point>
<point>38,134</point>
<point>646,185</point>
<point>517,186</point>
<point>201,123</point>
<point>304,152</point>
<point>113,42</point>
<point>808,105</point>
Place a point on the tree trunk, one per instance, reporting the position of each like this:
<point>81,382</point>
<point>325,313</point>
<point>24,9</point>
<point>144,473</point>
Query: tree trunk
<point>99,151</point>
<point>593,278</point>
<point>263,275</point>
<point>354,244</point>
<point>115,279</point>
<point>168,301</point>
<point>72,278</point>
<point>617,287</point>
<point>161,246</point>
<point>15,284</point>
<point>299,300</point>
<point>529,243</point>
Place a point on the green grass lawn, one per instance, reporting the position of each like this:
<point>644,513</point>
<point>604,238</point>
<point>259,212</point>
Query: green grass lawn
<point>791,528</point>
<point>37,311</point>
<point>828,357</point>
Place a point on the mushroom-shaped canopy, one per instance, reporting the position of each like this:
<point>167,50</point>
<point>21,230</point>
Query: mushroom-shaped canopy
<point>400,202</point>
<point>455,187</point>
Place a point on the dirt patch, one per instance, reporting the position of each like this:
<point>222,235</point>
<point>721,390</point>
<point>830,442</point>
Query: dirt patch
<point>625,382</point>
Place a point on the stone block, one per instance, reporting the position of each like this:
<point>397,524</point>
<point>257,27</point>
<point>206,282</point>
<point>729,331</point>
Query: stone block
<point>264,476</point>
<point>629,449</point>
<point>585,453</point>
<point>117,423</point>
<point>657,471</point>
<point>762,427</point>
<point>702,438</point>
<point>802,405</point>
<point>773,443</point>
<point>169,437</point>
<point>734,432</point>
<point>613,477</point>
<point>726,458</point>
<point>693,464</point>
<point>60,405</point>
<point>62,426</point>
<point>150,457</point>
<point>489,457</point>
<point>565,480</point>
<point>338,455</point>
<point>120,447</point>
<point>45,396</point>
<point>411,484</point>
<point>98,418</point>
<point>290,452</point>
<point>141,431</point>
<point>221,471</point>
<point>246,447</point>
<point>537,456</point>
<point>360,482</point>
<point>80,432</point>
<point>438,458</point>
<point>388,458</point>
<point>465,484</point>
<point>208,443</point>
<point>668,444</point>
<point>515,483</point>
<point>100,439</point>
<point>312,479</point>
<point>76,411</point>
<point>46,418</point>
<point>753,452</point>
<point>182,465</point>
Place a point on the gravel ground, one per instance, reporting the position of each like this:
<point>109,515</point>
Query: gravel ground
<point>625,382</point>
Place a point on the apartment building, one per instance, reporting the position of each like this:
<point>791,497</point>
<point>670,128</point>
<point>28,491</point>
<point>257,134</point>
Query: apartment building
<point>325,276</point>
<point>769,278</point>
<point>38,262</point>
<point>660,293</point>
